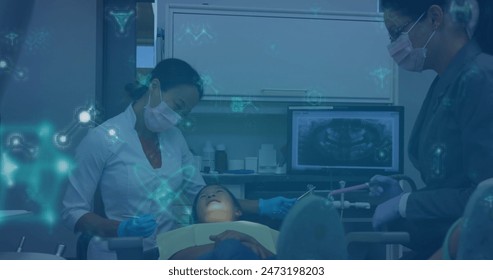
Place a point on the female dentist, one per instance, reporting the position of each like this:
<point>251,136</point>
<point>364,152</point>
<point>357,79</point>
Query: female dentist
<point>452,141</point>
<point>142,165</point>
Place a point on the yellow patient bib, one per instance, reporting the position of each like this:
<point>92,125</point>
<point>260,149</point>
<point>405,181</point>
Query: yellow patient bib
<point>195,235</point>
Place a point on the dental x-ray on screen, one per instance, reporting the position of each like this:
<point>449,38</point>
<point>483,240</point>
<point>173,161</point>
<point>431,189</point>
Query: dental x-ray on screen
<point>355,138</point>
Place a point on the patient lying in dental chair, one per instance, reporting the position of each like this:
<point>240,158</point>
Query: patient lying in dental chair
<point>217,232</point>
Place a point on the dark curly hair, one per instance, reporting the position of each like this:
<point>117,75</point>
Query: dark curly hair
<point>171,72</point>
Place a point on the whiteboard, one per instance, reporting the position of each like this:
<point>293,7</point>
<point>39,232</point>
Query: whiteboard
<point>284,55</point>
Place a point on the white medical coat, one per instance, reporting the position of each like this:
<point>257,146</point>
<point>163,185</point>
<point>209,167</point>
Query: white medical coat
<point>111,157</point>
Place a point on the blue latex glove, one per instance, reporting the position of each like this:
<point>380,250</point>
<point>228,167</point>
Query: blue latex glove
<point>384,186</point>
<point>143,226</point>
<point>275,208</point>
<point>386,212</point>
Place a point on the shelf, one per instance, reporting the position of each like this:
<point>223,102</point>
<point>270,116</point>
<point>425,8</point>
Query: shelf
<point>268,178</point>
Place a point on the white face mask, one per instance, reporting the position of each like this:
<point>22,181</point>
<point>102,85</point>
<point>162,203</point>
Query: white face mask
<point>405,55</point>
<point>161,117</point>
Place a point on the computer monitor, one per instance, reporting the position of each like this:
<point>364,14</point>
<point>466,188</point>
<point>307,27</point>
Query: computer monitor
<point>356,140</point>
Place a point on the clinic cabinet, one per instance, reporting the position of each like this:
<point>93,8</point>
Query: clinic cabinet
<point>283,55</point>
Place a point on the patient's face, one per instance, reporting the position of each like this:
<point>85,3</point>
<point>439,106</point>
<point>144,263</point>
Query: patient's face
<point>216,205</point>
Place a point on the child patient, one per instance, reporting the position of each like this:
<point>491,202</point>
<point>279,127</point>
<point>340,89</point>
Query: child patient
<point>217,232</point>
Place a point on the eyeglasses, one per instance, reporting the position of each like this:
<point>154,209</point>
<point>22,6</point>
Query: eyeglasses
<point>395,34</point>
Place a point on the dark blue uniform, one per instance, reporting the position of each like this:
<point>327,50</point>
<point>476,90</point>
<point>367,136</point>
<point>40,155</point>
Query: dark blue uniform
<point>451,145</point>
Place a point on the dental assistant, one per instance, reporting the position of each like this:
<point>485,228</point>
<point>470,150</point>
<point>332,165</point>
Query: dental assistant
<point>451,144</point>
<point>142,165</point>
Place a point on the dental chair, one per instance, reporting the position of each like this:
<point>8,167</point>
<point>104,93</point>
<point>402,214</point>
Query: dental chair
<point>28,256</point>
<point>20,255</point>
<point>394,241</point>
<point>126,248</point>
<point>131,248</point>
<point>362,241</point>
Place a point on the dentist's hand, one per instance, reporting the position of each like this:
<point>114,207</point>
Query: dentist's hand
<point>384,186</point>
<point>386,212</point>
<point>275,208</point>
<point>143,226</point>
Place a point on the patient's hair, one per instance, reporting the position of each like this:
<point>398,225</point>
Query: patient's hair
<point>195,218</point>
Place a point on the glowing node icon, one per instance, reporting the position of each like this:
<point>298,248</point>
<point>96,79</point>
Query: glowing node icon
<point>461,11</point>
<point>122,18</point>
<point>209,83</point>
<point>206,79</point>
<point>16,142</point>
<point>313,98</point>
<point>84,117</point>
<point>3,64</point>
<point>62,166</point>
<point>20,74</point>
<point>195,34</point>
<point>382,155</point>
<point>44,130</point>
<point>187,124</point>
<point>49,217</point>
<point>11,37</point>
<point>112,135</point>
<point>7,169</point>
<point>61,140</point>
<point>315,10</point>
<point>32,164</point>
<point>143,79</point>
<point>380,75</point>
<point>17,145</point>
<point>438,151</point>
<point>238,104</point>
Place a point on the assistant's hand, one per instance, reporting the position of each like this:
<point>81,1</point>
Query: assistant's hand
<point>275,208</point>
<point>384,186</point>
<point>245,239</point>
<point>143,226</point>
<point>386,212</point>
